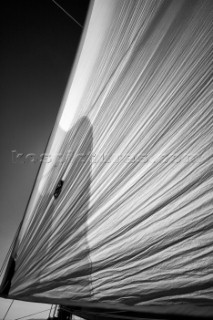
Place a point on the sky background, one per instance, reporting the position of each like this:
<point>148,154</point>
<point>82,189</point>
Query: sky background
<point>38,46</point>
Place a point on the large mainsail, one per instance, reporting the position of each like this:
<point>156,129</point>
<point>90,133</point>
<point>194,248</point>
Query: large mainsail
<point>121,213</point>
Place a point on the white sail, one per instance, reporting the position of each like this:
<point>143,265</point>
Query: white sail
<point>131,223</point>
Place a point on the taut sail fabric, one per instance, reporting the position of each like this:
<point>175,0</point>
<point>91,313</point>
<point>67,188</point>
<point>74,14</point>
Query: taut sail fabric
<point>131,160</point>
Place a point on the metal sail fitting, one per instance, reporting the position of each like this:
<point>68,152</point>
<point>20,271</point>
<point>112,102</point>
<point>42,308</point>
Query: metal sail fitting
<point>58,189</point>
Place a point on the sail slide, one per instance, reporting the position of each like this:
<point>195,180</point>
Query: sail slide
<point>121,214</point>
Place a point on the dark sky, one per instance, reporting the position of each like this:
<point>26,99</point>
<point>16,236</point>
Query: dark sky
<point>38,46</point>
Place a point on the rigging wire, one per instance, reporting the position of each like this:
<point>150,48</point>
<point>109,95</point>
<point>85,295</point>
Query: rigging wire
<point>8,309</point>
<point>32,314</point>
<point>67,13</point>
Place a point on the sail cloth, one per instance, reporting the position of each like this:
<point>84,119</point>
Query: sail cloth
<point>131,222</point>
